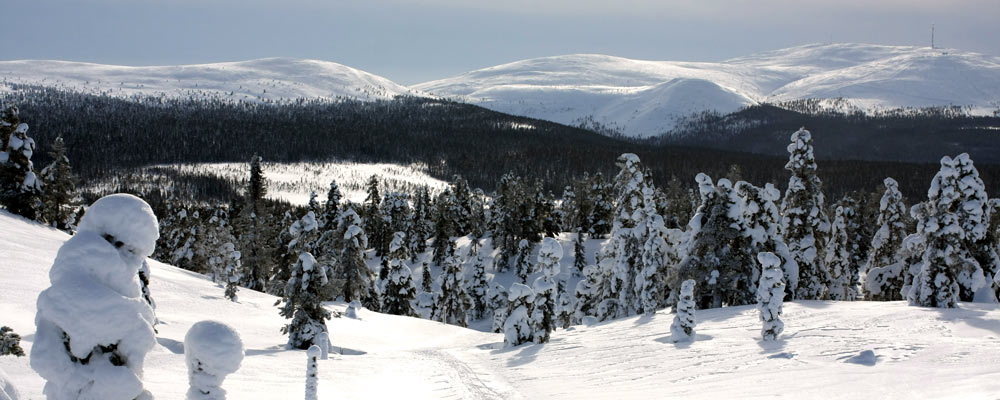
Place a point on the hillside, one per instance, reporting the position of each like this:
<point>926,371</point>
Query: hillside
<point>268,79</point>
<point>645,98</point>
<point>923,353</point>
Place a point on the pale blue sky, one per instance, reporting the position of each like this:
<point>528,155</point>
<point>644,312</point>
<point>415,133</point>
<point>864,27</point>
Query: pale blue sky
<point>416,41</point>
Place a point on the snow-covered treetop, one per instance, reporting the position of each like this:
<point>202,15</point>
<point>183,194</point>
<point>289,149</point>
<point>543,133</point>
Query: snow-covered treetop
<point>398,242</point>
<point>628,161</point>
<point>306,224</point>
<point>768,260</point>
<point>801,160</point>
<point>215,345</point>
<point>519,290</point>
<point>307,260</point>
<point>550,249</point>
<point>21,128</point>
<point>705,185</point>
<point>127,219</point>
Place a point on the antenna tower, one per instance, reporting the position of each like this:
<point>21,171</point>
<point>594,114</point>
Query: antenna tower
<point>932,35</point>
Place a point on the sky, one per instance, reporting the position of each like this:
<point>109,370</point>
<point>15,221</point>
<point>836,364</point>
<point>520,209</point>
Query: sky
<point>422,40</point>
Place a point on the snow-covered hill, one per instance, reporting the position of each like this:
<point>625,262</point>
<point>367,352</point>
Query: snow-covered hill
<point>917,352</point>
<point>642,98</point>
<point>269,78</point>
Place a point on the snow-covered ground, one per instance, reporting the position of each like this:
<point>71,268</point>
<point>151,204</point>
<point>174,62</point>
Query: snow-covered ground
<point>642,98</point>
<point>293,182</point>
<point>263,79</point>
<point>918,352</point>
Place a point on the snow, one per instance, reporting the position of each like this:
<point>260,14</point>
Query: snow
<point>920,352</point>
<point>126,218</point>
<point>7,389</point>
<point>272,79</point>
<point>643,98</point>
<point>212,350</point>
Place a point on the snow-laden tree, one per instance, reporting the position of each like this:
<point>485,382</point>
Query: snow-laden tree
<point>948,267</point>
<point>761,224</point>
<point>912,249</point>
<point>231,270</point>
<point>629,232</point>
<point>331,208</point>
<point>444,226</point>
<point>253,223</point>
<point>564,305</point>
<point>682,329</point>
<point>713,257</point>
<point>304,302</point>
<point>579,252</point>
<point>395,213</point>
<point>479,287</point>
<point>453,302</point>
<point>543,314</point>
<point>312,372</point>
<point>95,279</point>
<point>804,224</point>
<point>884,268</point>
<point>20,188</point>
<point>421,226</point>
<point>838,257</point>
<point>588,293</point>
<point>399,292</point>
<point>10,343</point>
<point>770,294</point>
<point>522,264</point>
<point>300,236</point>
<point>212,350</point>
<point>517,327</point>
<point>60,188</point>
<point>497,301</point>
<point>974,216</point>
<point>657,254</point>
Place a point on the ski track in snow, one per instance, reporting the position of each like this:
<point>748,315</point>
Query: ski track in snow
<point>919,352</point>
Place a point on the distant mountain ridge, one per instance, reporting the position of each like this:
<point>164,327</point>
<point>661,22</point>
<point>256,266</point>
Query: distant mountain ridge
<point>646,98</point>
<point>611,94</point>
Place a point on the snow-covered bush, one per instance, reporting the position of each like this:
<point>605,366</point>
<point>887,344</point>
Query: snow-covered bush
<point>93,326</point>
<point>683,327</point>
<point>10,343</point>
<point>517,327</point>
<point>770,294</point>
<point>212,350</point>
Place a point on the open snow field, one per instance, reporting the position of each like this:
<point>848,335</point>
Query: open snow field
<point>918,352</point>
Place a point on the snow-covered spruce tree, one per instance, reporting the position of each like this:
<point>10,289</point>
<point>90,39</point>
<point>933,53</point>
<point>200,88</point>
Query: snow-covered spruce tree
<point>399,292</point>
<point>859,234</point>
<point>650,284</point>
<point>453,303</point>
<point>497,303</point>
<point>884,268</point>
<point>312,372</point>
<point>444,226</point>
<point>546,297</point>
<point>395,210</point>
<point>682,328</point>
<point>300,236</point>
<point>517,327</point>
<point>838,258</point>
<point>522,265</point>
<point>426,282</point>
<point>60,188</point>
<point>420,225</point>
<point>95,278</point>
<point>253,221</point>
<point>331,209</point>
<point>358,280</point>
<point>10,343</point>
<point>20,189</point>
<point>303,302</point>
<point>212,350</point>
<point>579,252</point>
<point>602,195</point>
<point>762,226</point>
<point>628,232</point>
<point>564,305</point>
<point>503,223</point>
<point>804,223</point>
<point>679,207</point>
<point>911,251</point>
<point>232,270</point>
<point>948,267</point>
<point>714,257</point>
<point>479,287</point>
<point>974,215</point>
<point>588,293</point>
<point>770,293</point>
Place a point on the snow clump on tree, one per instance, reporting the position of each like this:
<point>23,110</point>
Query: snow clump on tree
<point>770,293</point>
<point>212,351</point>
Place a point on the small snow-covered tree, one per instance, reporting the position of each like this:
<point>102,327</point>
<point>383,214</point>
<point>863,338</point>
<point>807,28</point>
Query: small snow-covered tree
<point>770,294</point>
<point>838,257</point>
<point>303,302</point>
<point>399,292</point>
<point>564,306</point>
<point>497,302</point>
<point>804,222</point>
<point>517,327</point>
<point>95,278</point>
<point>762,226</point>
<point>331,209</point>
<point>357,277</point>
<point>683,326</point>
<point>544,311</point>
<point>231,271</point>
<point>523,266</point>
<point>212,350</point>
<point>10,343</point>
<point>588,293</point>
<point>884,268</point>
<point>650,284</point>
<point>20,188</point>
<point>579,252</point>
<point>60,188</point>
<point>453,303</point>
<point>479,286</point>
<point>312,372</point>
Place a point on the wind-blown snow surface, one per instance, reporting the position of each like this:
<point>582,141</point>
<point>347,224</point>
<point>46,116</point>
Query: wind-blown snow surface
<point>918,353</point>
<point>263,79</point>
<point>642,98</point>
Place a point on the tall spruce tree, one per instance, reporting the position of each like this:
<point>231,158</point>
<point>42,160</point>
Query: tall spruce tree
<point>546,297</point>
<point>629,232</point>
<point>303,302</point>
<point>838,257</point>
<point>358,280</point>
<point>804,223</point>
<point>60,188</point>
<point>761,225</point>
<point>453,302</point>
<point>252,224</point>
<point>399,292</point>
<point>20,189</point>
<point>885,267</point>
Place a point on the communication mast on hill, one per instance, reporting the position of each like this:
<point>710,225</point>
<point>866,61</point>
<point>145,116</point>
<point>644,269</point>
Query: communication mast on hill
<point>932,35</point>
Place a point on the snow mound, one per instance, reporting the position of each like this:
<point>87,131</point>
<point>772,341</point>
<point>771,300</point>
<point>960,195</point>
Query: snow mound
<point>866,357</point>
<point>215,346</point>
<point>126,218</point>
